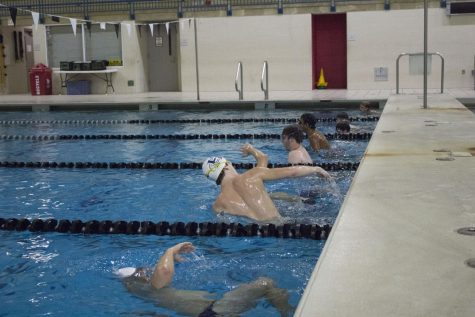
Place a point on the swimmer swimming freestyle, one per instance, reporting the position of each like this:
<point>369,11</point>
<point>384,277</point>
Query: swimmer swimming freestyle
<point>154,285</point>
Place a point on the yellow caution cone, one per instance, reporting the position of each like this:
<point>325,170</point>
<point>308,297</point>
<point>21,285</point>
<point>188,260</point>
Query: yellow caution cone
<point>321,84</point>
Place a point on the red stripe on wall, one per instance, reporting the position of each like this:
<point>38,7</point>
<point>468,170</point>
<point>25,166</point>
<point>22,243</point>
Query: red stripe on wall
<point>329,49</point>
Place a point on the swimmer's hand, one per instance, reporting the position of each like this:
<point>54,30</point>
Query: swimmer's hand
<point>184,247</point>
<point>246,149</point>
<point>261,158</point>
<point>324,174</point>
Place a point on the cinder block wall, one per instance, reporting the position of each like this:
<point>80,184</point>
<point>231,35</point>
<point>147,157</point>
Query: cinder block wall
<point>284,41</point>
<point>375,39</point>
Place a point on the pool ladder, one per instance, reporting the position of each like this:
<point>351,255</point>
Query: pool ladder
<point>239,78</point>
<point>265,71</point>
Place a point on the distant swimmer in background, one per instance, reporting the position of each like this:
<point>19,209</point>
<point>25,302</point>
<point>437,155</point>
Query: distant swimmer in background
<point>292,137</point>
<point>343,127</point>
<point>343,124</point>
<point>318,141</point>
<point>245,194</point>
<point>370,109</point>
<point>154,285</point>
<point>342,116</point>
<point>365,107</point>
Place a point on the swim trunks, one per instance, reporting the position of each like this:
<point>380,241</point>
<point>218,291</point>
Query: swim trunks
<point>310,196</point>
<point>208,312</point>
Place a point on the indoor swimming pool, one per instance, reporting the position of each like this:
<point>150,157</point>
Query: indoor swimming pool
<point>72,274</point>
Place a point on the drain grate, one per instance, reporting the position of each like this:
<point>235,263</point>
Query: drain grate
<point>471,262</point>
<point>445,158</point>
<point>469,231</point>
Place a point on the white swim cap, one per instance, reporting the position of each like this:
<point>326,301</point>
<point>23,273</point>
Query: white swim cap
<point>125,271</point>
<point>213,166</point>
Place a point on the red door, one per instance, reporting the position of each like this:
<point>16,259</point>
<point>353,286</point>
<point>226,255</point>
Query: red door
<point>329,49</point>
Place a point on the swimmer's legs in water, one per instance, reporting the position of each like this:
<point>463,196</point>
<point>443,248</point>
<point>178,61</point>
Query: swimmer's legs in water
<point>246,296</point>
<point>305,197</point>
<point>286,197</point>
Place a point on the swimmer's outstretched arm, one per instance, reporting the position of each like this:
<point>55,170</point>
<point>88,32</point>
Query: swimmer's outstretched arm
<point>260,157</point>
<point>165,268</point>
<point>292,172</point>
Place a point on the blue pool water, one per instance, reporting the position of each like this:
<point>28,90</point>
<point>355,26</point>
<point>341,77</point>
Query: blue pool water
<point>59,274</point>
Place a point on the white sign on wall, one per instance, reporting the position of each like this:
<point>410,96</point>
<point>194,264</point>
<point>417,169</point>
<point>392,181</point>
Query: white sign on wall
<point>380,74</point>
<point>158,41</point>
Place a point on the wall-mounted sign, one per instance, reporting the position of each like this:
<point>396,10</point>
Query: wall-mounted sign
<point>380,74</point>
<point>158,41</point>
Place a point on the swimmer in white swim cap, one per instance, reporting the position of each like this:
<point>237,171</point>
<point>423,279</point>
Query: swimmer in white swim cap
<point>125,272</point>
<point>245,194</point>
<point>140,273</point>
<point>213,167</point>
<point>156,288</point>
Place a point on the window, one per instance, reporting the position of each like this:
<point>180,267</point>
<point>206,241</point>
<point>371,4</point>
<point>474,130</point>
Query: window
<point>98,44</point>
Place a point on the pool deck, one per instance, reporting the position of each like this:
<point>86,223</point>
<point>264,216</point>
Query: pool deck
<point>177,100</point>
<point>394,249</point>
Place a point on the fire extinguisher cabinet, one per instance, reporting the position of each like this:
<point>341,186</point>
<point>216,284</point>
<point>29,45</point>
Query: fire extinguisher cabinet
<point>40,80</point>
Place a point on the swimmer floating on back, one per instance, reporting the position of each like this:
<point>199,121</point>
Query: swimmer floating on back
<point>156,287</point>
<point>244,194</point>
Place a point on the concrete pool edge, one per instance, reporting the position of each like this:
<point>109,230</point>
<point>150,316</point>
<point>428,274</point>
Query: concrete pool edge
<point>190,105</point>
<point>394,250</point>
<point>214,100</point>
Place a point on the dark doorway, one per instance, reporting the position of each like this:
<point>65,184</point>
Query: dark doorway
<point>163,59</point>
<point>28,37</point>
<point>329,49</point>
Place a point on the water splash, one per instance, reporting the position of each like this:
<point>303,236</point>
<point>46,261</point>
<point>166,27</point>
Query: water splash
<point>196,257</point>
<point>334,190</point>
<point>324,188</point>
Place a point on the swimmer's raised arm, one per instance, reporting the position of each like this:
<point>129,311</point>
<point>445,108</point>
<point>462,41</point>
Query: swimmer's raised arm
<point>293,171</point>
<point>165,268</point>
<point>260,157</point>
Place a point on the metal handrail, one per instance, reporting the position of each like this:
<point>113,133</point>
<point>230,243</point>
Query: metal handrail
<point>195,29</point>
<point>473,72</point>
<point>441,72</point>
<point>239,75</point>
<point>265,70</point>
